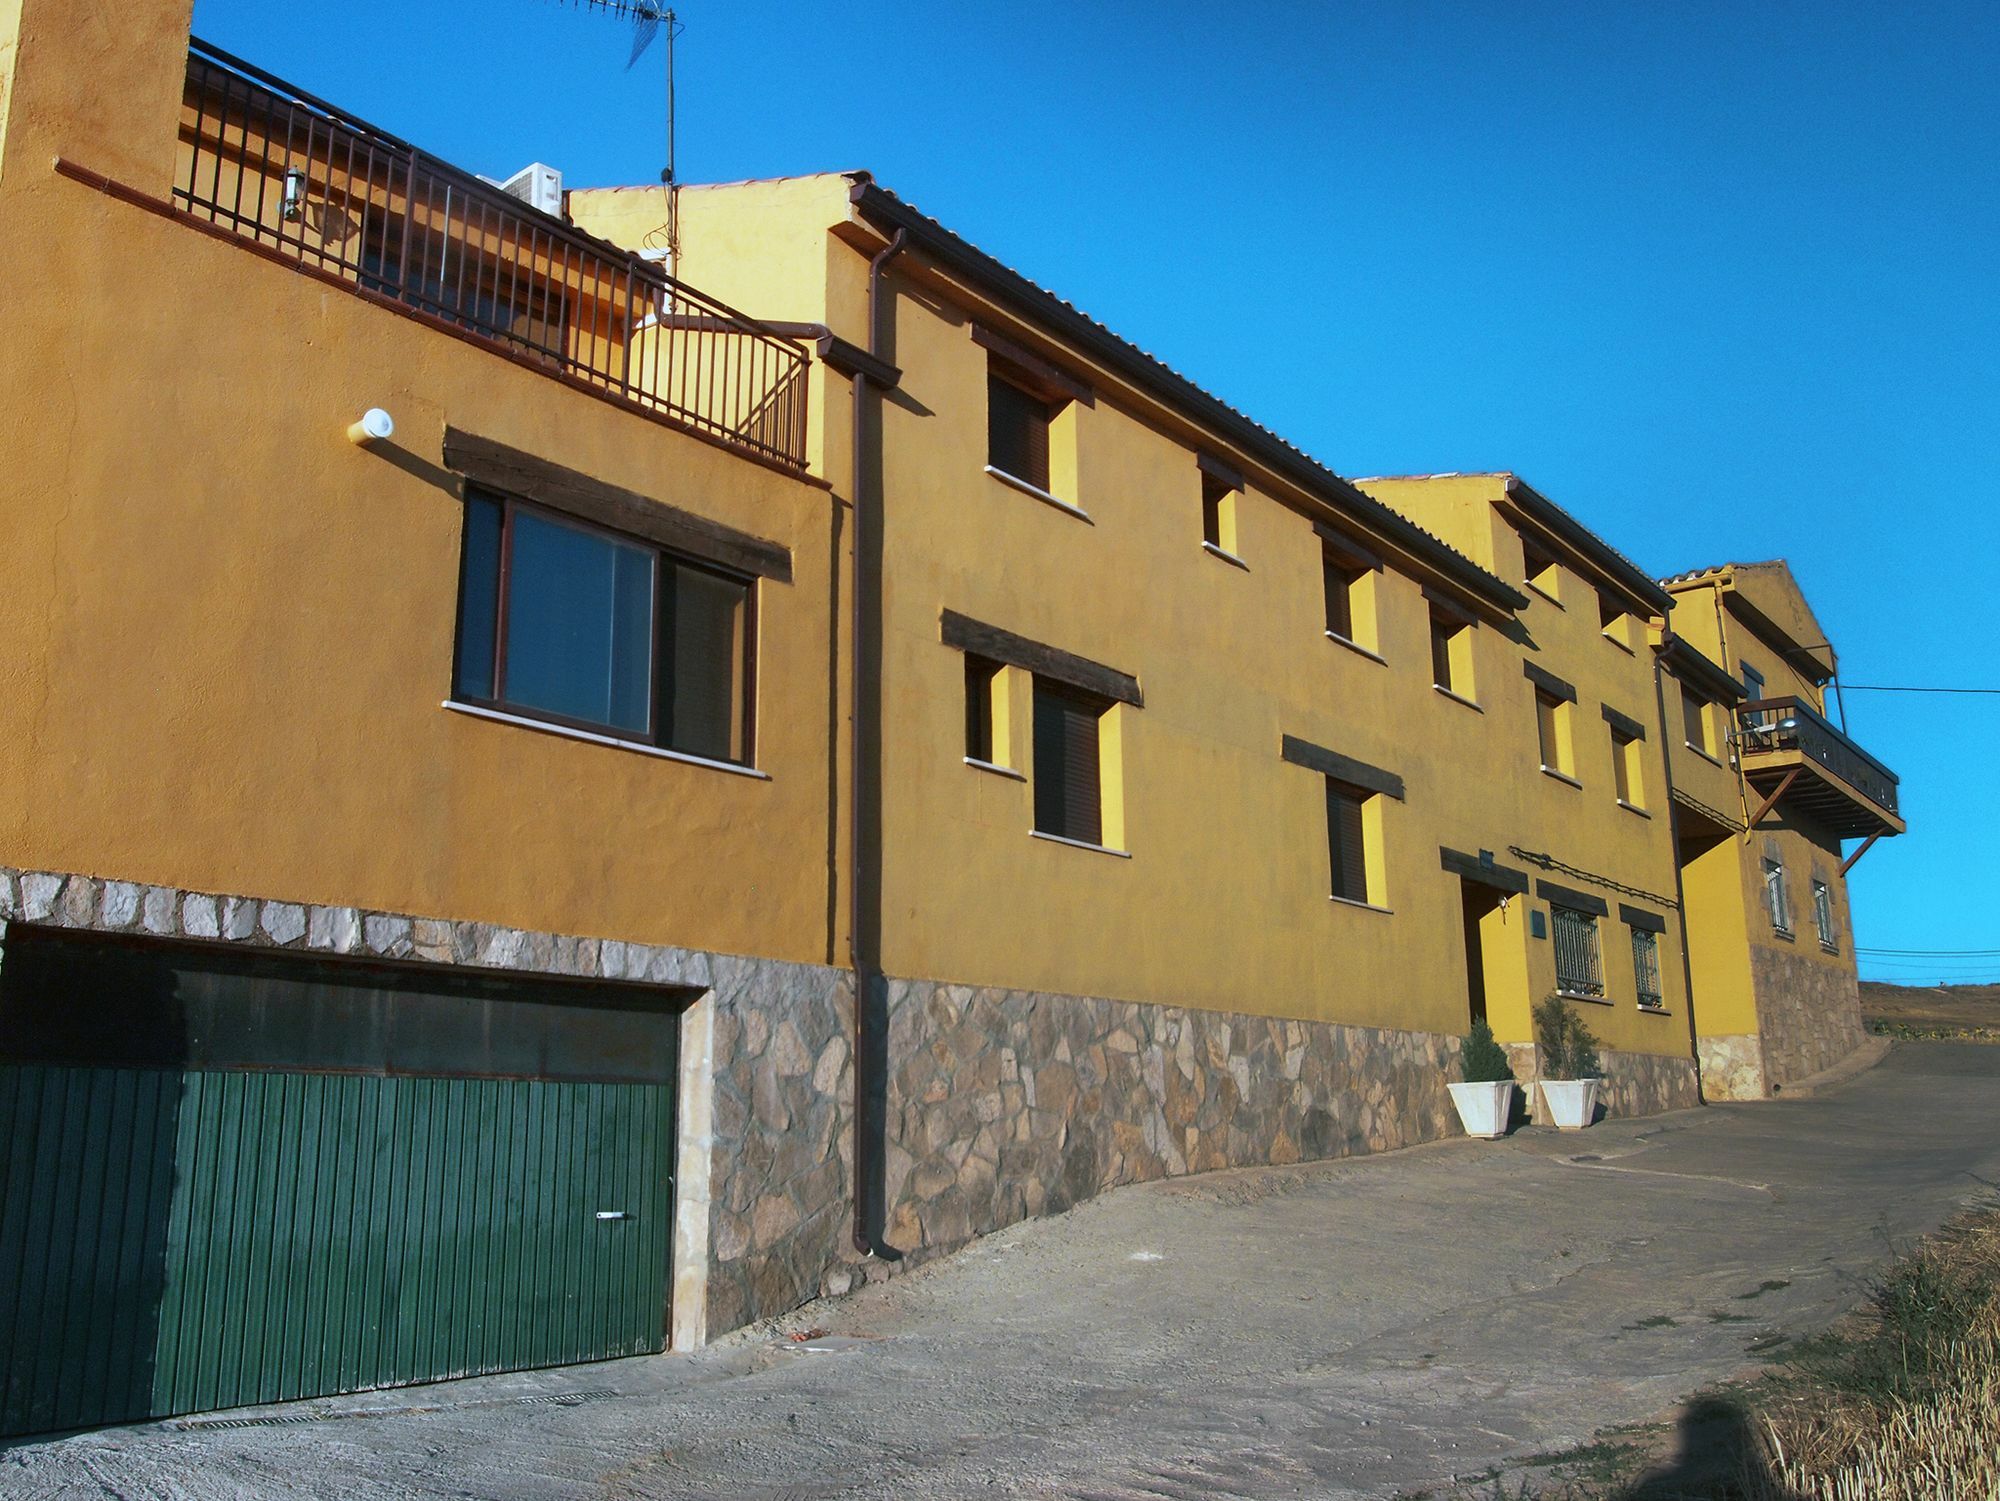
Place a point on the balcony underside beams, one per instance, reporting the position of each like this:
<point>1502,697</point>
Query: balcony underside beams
<point>1792,780</point>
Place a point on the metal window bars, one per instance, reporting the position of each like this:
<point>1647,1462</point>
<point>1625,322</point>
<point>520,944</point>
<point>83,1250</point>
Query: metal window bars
<point>1646,968</point>
<point>1579,966</point>
<point>321,187</point>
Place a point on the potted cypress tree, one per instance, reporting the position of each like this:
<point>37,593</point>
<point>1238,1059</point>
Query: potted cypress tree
<point>1569,1063</point>
<point>1485,1100</point>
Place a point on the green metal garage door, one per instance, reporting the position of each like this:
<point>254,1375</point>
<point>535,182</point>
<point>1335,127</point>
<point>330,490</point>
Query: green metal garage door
<point>230,1179</point>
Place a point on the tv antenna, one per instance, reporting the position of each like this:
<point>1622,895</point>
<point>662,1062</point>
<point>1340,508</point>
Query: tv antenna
<point>650,19</point>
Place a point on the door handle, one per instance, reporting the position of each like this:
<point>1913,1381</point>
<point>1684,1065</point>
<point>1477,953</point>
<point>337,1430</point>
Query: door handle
<point>613,1214</point>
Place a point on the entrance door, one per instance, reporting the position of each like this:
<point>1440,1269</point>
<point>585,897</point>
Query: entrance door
<point>1476,900</point>
<point>231,1178</point>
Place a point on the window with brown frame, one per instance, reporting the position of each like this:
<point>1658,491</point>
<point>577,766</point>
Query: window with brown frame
<point>1538,565</point>
<point>981,677</point>
<point>1069,799</point>
<point>1017,430</point>
<point>1347,839</point>
<point>1340,576</point>
<point>565,621</point>
<point>1694,709</point>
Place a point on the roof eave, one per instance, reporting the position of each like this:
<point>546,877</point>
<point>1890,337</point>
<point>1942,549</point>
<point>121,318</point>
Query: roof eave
<point>1005,285</point>
<point>1619,569</point>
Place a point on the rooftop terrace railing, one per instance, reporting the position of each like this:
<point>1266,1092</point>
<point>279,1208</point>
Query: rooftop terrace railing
<point>1789,723</point>
<point>319,186</point>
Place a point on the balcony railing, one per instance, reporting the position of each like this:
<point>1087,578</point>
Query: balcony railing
<point>1791,724</point>
<point>321,187</point>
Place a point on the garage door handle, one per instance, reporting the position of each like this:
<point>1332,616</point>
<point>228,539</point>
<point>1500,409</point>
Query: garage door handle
<point>613,1214</point>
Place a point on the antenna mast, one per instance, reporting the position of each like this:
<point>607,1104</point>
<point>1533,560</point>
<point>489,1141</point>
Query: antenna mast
<point>649,18</point>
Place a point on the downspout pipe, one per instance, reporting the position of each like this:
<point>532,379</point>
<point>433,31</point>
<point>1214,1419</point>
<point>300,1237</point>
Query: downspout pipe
<point>863,877</point>
<point>1680,886</point>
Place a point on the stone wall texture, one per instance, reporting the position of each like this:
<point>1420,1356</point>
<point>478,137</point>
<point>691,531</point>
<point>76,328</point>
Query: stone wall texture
<point>1006,1104</point>
<point>1633,1083</point>
<point>1808,1012</point>
<point>1732,1068</point>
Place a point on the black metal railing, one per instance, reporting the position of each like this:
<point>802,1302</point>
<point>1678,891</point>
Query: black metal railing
<point>1788,724</point>
<point>299,176</point>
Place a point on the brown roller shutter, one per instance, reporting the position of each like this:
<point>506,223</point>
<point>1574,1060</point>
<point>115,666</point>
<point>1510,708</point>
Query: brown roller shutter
<point>1017,432</point>
<point>1344,840</point>
<point>1067,802</point>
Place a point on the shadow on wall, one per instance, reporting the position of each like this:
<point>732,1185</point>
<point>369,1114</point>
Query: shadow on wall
<point>1717,1455</point>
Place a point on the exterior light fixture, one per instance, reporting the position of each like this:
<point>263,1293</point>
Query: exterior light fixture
<point>375,426</point>
<point>295,194</point>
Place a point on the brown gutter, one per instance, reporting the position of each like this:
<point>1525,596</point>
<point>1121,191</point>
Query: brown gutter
<point>871,1073</point>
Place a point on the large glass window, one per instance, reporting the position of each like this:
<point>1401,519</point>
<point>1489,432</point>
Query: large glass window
<point>564,621</point>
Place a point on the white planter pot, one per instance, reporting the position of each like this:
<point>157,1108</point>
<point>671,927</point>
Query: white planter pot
<point>1572,1102</point>
<point>1483,1108</point>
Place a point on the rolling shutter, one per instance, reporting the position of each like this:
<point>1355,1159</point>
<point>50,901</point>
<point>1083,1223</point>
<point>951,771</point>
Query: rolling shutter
<point>1344,841</point>
<point>1067,801</point>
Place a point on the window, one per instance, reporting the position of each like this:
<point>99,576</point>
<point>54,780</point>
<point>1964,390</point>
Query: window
<point>1614,621</point>
<point>563,621</point>
<point>1753,686</point>
<point>1069,800</point>
<point>1350,843</point>
<point>1552,729</point>
<point>1347,576</point>
<point>1451,653</point>
<point>1646,968</point>
<point>1626,769</point>
<point>985,722</point>
<point>1579,966</point>
<point>1341,579</point>
<point>1694,709</point>
<point>1776,899</point>
<point>1823,916</point>
<point>1539,567</point>
<point>1017,430</point>
<point>1218,514</point>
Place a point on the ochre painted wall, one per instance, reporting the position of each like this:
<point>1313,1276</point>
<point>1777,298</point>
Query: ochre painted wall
<point>229,631</point>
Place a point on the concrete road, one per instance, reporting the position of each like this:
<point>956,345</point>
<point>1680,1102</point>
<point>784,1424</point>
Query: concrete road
<point>1349,1329</point>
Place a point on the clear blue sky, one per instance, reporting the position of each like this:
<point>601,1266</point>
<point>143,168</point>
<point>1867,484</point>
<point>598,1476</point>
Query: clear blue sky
<point>1719,277</point>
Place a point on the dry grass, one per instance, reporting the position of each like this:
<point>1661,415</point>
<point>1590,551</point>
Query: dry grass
<point>1960,1013</point>
<point>1901,1402</point>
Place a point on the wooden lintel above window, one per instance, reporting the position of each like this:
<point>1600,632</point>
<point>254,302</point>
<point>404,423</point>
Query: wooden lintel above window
<point>1639,917</point>
<point>1227,475</point>
<point>1549,683</point>
<point>512,472</point>
<point>1450,607</point>
<point>1341,768</point>
<point>1031,371</point>
<point>1624,724</point>
<point>1570,897</point>
<point>966,634</point>
<point>1346,548</point>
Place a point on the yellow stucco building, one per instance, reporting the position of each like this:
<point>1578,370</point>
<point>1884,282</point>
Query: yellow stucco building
<point>795,789</point>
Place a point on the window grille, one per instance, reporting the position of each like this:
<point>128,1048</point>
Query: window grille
<point>1775,897</point>
<point>1823,915</point>
<point>1579,967</point>
<point>1646,968</point>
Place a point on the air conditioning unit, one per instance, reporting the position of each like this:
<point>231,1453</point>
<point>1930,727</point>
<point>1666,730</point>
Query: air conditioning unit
<point>538,185</point>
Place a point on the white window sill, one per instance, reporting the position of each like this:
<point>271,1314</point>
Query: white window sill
<point>1713,761</point>
<point>1595,1000</point>
<point>995,767</point>
<point>1645,1010</point>
<point>1457,698</point>
<point>1785,933</point>
<point>590,737</point>
<point>1080,844</point>
<point>1223,553</point>
<point>1014,482</point>
<point>1619,643</point>
<point>1348,901</point>
<point>1561,776</point>
<point>1633,808</point>
<point>1358,649</point>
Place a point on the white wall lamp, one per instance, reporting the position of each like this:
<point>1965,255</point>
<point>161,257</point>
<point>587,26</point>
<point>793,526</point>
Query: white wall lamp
<point>294,207</point>
<point>375,426</point>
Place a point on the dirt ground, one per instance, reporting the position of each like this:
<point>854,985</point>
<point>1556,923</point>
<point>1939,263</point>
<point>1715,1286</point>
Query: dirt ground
<point>1971,1012</point>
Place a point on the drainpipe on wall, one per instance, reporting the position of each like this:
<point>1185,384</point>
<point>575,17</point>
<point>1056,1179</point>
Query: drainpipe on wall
<point>1680,886</point>
<point>864,875</point>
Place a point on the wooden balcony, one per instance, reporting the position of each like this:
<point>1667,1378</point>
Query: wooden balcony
<point>1793,758</point>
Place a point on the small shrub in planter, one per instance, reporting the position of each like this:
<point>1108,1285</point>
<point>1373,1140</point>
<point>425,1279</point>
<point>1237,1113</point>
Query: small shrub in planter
<point>1570,1065</point>
<point>1486,1099</point>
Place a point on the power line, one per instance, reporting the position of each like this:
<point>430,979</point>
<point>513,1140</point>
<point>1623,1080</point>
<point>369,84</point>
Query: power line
<point>1934,953</point>
<point>1898,688</point>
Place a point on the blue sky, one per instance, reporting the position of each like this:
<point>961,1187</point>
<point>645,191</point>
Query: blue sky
<point>1720,278</point>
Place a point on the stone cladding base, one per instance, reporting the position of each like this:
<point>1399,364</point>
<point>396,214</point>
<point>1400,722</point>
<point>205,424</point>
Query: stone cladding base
<point>1732,1068</point>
